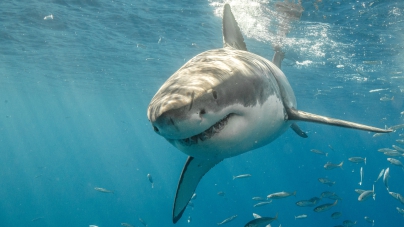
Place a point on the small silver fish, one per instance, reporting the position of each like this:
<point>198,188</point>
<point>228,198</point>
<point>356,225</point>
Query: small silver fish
<point>325,207</point>
<point>385,150</point>
<point>330,165</point>
<point>399,149</point>
<point>261,221</point>
<point>380,175</point>
<point>326,181</point>
<point>126,224</point>
<point>143,222</point>
<point>394,194</point>
<point>400,210</point>
<point>378,134</point>
<point>304,203</point>
<point>227,220</point>
<point>396,127</point>
<point>357,160</point>
<point>361,173</point>
<point>221,193</point>
<point>259,198</point>
<point>374,62</point>
<point>400,141</point>
<point>386,177</point>
<point>150,180</point>
<point>318,152</point>
<point>262,203</point>
<point>397,196</point>
<point>377,90</point>
<point>280,195</point>
<point>348,223</point>
<point>385,99</point>
<point>395,162</point>
<point>369,220</point>
<point>103,190</point>
<point>241,176</point>
<point>366,194</point>
<point>393,153</point>
<point>301,216</point>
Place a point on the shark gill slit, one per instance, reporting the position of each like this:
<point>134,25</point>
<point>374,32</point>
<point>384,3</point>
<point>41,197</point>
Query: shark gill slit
<point>192,100</point>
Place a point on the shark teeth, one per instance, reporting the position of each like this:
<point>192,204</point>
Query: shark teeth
<point>207,134</point>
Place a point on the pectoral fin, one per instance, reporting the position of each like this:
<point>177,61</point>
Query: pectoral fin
<point>193,171</point>
<point>294,114</point>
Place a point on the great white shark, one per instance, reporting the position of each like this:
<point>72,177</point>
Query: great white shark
<point>225,102</point>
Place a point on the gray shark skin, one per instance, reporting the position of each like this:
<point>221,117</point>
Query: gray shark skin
<point>225,102</point>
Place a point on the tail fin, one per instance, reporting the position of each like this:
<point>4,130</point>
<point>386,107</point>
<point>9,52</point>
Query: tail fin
<point>340,165</point>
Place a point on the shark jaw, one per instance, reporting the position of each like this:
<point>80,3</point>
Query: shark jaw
<point>208,133</point>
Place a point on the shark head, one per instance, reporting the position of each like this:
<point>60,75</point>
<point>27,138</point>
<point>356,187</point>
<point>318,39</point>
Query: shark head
<point>209,106</point>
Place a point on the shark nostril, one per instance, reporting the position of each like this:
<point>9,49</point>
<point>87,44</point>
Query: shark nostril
<point>155,128</point>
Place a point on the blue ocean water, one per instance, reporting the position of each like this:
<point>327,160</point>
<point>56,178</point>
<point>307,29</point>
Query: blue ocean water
<point>74,92</point>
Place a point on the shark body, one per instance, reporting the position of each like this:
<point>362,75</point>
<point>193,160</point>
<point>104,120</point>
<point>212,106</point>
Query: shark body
<point>225,102</point>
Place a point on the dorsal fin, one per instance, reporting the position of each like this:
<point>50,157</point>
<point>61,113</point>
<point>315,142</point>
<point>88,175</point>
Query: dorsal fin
<point>232,36</point>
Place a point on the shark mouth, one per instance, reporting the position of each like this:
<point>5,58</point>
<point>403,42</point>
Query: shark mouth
<point>208,133</point>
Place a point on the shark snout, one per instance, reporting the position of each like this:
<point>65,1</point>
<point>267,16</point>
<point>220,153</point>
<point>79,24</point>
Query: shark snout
<point>180,123</point>
<point>165,125</point>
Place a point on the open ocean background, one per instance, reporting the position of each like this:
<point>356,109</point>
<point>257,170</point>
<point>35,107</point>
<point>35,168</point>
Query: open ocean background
<point>74,92</point>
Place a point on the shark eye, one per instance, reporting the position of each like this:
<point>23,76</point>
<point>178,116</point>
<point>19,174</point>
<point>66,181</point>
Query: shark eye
<point>155,128</point>
<point>214,93</point>
<point>202,111</point>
